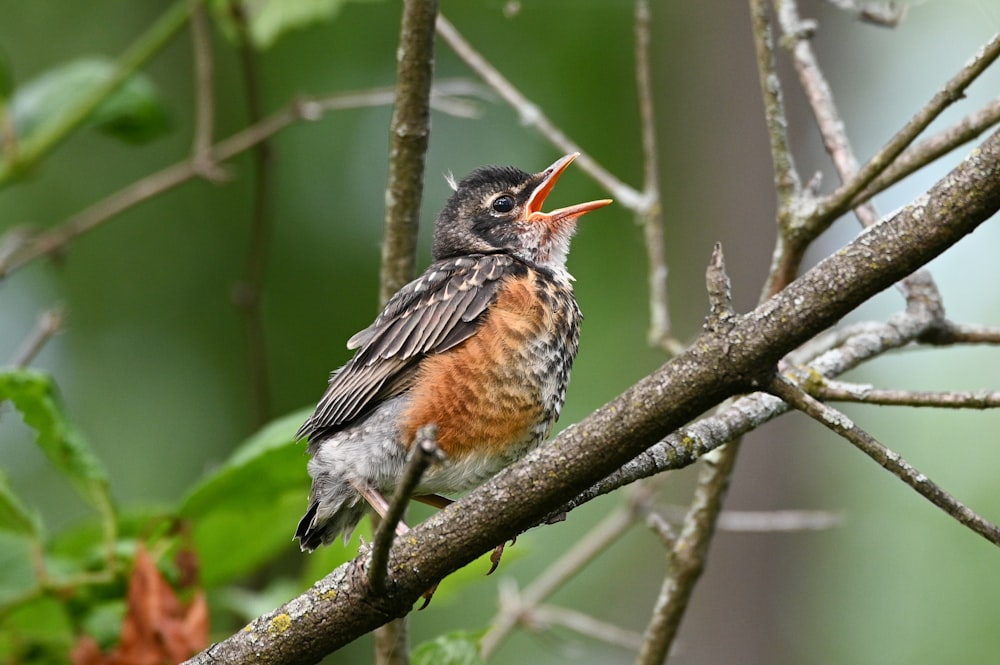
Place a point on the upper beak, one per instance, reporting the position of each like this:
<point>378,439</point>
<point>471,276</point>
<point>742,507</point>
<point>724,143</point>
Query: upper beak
<point>560,216</point>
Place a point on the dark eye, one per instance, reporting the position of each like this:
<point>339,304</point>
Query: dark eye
<point>503,203</point>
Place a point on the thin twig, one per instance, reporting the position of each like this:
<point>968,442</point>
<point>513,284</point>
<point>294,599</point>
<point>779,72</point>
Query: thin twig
<point>797,36</point>
<point>842,391</point>
<point>547,615</point>
<point>204,94</point>
<point>248,292</point>
<point>888,459</point>
<point>932,148</point>
<point>839,201</point>
<point>651,218</point>
<point>962,333</point>
<point>831,126</point>
<point>607,531</point>
<point>688,555</point>
<point>794,203</point>
<point>786,178</point>
<point>31,149</point>
<point>46,327</point>
<point>59,237</point>
<point>532,116</point>
<point>884,13</point>
<point>423,452</point>
<point>767,521</point>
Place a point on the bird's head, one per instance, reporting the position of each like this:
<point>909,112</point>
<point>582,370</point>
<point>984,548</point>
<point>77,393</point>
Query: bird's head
<point>499,209</point>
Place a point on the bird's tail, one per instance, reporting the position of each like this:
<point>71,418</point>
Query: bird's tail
<point>328,517</point>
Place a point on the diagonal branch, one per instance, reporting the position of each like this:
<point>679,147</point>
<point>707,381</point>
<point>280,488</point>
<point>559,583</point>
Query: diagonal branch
<point>839,202</point>
<point>304,109</point>
<point>533,116</point>
<point>888,459</point>
<point>842,391</point>
<point>422,453</point>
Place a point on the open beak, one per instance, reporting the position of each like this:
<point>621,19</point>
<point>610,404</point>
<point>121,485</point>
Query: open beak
<point>560,217</point>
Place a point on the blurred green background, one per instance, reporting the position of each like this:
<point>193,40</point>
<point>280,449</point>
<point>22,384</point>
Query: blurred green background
<point>153,363</point>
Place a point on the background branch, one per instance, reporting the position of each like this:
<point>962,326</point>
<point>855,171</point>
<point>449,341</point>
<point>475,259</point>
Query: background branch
<point>888,459</point>
<point>308,109</point>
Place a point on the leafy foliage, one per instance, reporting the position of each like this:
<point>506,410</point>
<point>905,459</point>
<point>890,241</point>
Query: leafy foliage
<point>268,20</point>
<point>459,648</point>
<point>135,113</point>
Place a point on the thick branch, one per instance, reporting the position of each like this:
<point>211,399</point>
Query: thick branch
<point>409,133</point>
<point>342,606</point>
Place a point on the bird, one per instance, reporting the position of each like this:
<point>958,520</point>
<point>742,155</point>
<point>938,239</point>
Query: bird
<point>480,345</point>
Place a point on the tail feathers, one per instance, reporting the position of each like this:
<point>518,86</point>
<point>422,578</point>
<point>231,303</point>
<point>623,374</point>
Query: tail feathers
<point>323,523</point>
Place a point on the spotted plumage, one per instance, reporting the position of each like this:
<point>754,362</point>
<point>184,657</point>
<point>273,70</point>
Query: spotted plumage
<point>481,345</point>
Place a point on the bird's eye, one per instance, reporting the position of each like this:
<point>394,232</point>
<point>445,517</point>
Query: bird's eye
<point>503,203</point>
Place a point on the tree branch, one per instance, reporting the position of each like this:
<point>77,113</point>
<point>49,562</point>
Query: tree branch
<point>409,133</point>
<point>56,239</point>
<point>888,459</point>
<point>842,391</point>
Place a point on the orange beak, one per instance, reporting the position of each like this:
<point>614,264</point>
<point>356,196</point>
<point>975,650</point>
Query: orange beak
<point>561,216</point>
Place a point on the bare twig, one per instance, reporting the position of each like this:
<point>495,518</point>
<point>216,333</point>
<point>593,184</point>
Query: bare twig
<point>584,624</point>
<point>688,555</point>
<point>569,564</point>
<point>204,95</point>
<point>766,521</point>
<point>46,327</point>
<point>884,13</point>
<point>533,116</point>
<point>839,201</point>
<point>831,126</point>
<point>888,459</point>
<point>651,217</point>
<point>962,333</point>
<point>842,391</point>
<point>59,237</point>
<point>248,292</point>
<point>797,36</point>
<point>794,203</point>
<point>786,178</point>
<point>423,452</point>
<point>932,148</point>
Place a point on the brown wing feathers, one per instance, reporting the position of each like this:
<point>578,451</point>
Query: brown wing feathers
<point>435,312</point>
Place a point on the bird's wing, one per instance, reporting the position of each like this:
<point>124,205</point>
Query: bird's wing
<point>431,314</point>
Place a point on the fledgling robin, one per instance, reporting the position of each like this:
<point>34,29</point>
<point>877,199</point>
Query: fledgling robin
<point>481,345</point>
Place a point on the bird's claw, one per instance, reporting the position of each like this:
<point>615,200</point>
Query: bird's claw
<point>497,554</point>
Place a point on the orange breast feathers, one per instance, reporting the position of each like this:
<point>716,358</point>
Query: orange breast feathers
<point>482,394</point>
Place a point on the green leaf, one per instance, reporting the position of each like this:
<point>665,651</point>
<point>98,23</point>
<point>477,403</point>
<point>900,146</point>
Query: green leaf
<point>14,516</point>
<point>17,576</point>
<point>34,395</point>
<point>459,648</point>
<point>134,113</point>
<point>244,513</point>
<point>38,631</point>
<point>269,20</point>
